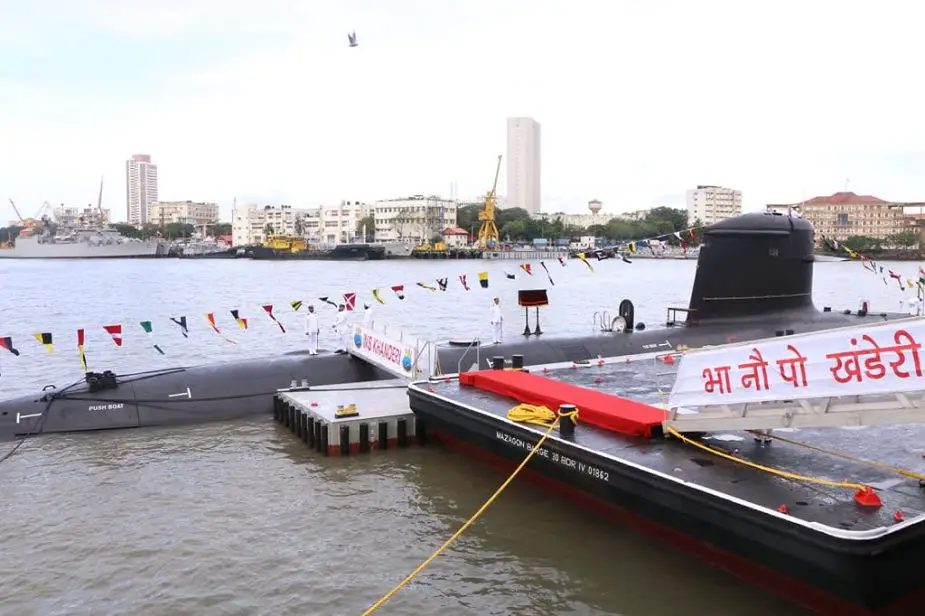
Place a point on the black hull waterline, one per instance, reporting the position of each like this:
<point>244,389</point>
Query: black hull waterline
<point>343,252</point>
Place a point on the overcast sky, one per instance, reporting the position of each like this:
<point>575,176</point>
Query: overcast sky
<point>638,99</point>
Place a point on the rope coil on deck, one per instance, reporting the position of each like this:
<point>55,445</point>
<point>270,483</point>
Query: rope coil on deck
<point>539,415</point>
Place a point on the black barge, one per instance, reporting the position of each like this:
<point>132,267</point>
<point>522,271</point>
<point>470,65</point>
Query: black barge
<point>814,544</point>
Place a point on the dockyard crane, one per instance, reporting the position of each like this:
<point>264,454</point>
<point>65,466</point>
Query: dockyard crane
<point>99,205</point>
<point>16,209</point>
<point>488,231</point>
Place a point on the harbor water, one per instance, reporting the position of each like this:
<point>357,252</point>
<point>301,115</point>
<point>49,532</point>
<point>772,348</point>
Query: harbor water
<point>241,518</point>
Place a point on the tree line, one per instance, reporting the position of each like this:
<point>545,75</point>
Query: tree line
<point>906,240</point>
<point>516,224</point>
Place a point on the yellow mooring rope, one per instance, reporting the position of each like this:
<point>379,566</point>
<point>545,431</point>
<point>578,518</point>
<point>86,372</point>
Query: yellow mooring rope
<point>760,467</point>
<point>844,456</point>
<point>531,414</point>
<point>767,469</point>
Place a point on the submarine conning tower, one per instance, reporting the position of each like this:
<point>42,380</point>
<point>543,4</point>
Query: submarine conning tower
<point>751,265</point>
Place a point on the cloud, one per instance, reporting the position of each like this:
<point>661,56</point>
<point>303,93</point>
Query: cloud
<point>638,101</point>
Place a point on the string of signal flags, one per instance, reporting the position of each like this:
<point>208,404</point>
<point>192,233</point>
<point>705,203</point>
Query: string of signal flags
<point>117,331</point>
<point>886,274</point>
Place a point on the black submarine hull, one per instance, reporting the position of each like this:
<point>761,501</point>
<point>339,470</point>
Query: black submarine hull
<point>177,396</point>
<point>754,280</point>
<point>221,392</point>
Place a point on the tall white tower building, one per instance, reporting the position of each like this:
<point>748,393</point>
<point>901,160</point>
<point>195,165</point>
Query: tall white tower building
<point>140,188</point>
<point>711,204</point>
<point>523,164</point>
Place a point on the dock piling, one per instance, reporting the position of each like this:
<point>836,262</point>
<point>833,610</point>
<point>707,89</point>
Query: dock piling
<point>383,418</point>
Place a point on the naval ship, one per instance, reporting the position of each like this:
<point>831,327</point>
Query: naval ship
<point>81,243</point>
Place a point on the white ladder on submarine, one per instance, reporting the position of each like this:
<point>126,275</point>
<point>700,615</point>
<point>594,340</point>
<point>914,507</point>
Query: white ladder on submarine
<point>853,376</point>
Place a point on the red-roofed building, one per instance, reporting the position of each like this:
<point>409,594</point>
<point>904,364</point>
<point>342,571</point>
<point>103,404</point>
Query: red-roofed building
<point>844,214</point>
<point>454,237</point>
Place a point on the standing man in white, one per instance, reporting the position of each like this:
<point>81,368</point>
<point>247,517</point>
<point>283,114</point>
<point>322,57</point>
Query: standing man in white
<point>367,316</point>
<point>496,320</point>
<point>311,330</point>
<point>340,329</point>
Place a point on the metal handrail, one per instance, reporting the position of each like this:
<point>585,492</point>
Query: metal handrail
<point>478,355</point>
<point>600,321</point>
<point>416,370</point>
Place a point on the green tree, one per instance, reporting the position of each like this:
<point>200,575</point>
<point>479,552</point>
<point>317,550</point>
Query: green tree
<point>369,223</point>
<point>8,234</point>
<point>514,230</point>
<point>862,243</point>
<point>297,226</point>
<point>269,230</point>
<point>126,230</point>
<point>221,228</point>
<point>906,239</point>
<point>676,218</point>
<point>178,230</point>
<point>468,215</point>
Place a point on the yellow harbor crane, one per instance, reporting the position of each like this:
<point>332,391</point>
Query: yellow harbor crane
<point>488,232</point>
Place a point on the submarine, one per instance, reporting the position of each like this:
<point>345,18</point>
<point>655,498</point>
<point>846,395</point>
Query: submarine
<point>754,280</point>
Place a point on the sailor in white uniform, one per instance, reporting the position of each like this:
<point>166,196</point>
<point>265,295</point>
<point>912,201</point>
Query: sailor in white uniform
<point>367,316</point>
<point>340,329</point>
<point>311,330</point>
<point>496,320</point>
<point>913,306</point>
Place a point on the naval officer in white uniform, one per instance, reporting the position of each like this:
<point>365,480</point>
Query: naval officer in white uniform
<point>311,330</point>
<point>496,320</point>
<point>340,329</point>
<point>367,316</point>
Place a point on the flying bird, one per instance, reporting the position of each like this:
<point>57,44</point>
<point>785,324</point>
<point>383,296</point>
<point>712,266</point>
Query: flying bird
<point>352,37</point>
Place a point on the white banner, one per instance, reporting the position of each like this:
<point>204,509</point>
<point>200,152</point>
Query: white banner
<point>403,356</point>
<point>869,359</point>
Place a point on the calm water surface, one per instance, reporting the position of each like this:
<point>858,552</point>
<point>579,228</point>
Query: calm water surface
<point>241,519</point>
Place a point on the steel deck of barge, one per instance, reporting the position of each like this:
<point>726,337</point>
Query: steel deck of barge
<point>643,380</point>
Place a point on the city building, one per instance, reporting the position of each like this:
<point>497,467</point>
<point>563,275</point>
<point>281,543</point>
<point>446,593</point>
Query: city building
<point>844,214</point>
<point>416,218</point>
<point>183,212</point>
<point>523,164</point>
<point>596,217</point>
<point>711,204</point>
<point>75,217</point>
<point>140,188</point>
<point>321,225</point>
<point>454,237</point>
<point>251,223</point>
<point>336,224</point>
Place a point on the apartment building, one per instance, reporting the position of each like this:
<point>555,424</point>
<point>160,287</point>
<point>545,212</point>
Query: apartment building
<point>711,204</point>
<point>140,188</point>
<point>329,225</point>
<point>417,218</point>
<point>523,164</point>
<point>183,212</point>
<point>321,225</point>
